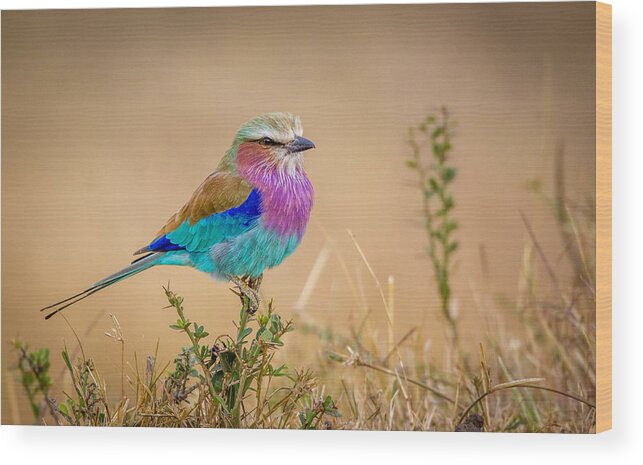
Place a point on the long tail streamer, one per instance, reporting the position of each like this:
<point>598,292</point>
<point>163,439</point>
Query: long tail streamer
<point>135,268</point>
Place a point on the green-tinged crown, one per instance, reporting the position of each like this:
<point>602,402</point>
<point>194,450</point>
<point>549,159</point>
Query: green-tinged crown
<point>278,126</point>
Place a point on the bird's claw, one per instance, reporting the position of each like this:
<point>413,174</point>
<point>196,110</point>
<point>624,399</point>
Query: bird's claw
<point>249,291</point>
<point>253,300</point>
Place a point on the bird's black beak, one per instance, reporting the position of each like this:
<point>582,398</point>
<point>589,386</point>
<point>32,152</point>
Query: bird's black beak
<point>300,144</point>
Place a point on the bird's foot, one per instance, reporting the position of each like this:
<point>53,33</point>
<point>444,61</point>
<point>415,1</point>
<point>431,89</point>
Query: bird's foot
<point>249,291</point>
<point>255,283</point>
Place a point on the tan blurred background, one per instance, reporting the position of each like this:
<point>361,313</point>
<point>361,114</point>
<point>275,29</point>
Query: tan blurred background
<point>110,119</point>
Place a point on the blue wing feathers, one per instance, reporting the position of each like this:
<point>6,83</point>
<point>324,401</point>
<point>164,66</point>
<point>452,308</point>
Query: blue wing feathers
<point>212,229</point>
<point>163,244</point>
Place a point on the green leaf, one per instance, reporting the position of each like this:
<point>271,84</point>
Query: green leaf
<point>275,323</point>
<point>222,403</point>
<point>66,359</point>
<point>217,381</point>
<point>448,174</point>
<point>63,409</point>
<point>265,334</point>
<point>227,361</point>
<point>243,334</point>
<point>281,371</point>
<point>450,226</point>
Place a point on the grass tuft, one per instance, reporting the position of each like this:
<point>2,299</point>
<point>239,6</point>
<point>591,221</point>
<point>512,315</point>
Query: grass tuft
<point>225,382</point>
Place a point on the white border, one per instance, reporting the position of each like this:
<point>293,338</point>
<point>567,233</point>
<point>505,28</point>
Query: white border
<point>621,445</point>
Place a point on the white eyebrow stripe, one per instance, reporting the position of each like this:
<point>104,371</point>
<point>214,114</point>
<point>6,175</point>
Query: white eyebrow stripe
<point>280,127</point>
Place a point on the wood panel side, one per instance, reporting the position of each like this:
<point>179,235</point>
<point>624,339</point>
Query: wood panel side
<point>603,217</point>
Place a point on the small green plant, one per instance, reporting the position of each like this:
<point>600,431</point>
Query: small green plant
<point>311,417</point>
<point>34,375</point>
<point>88,404</point>
<point>435,176</point>
<point>238,370</point>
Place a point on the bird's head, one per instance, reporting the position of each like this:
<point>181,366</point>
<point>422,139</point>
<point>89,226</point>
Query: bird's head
<point>272,141</point>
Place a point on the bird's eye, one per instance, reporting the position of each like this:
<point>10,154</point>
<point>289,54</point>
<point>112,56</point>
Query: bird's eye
<point>266,141</point>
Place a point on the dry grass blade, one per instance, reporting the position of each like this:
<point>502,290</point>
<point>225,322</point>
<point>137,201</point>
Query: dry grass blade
<point>521,383</point>
<point>354,360</point>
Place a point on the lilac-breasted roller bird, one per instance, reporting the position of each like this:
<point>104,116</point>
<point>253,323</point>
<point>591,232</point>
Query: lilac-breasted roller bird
<point>247,216</point>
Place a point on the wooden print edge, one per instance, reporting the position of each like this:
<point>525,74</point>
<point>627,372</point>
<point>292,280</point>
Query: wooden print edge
<point>603,217</point>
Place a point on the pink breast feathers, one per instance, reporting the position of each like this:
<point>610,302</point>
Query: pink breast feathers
<point>286,192</point>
